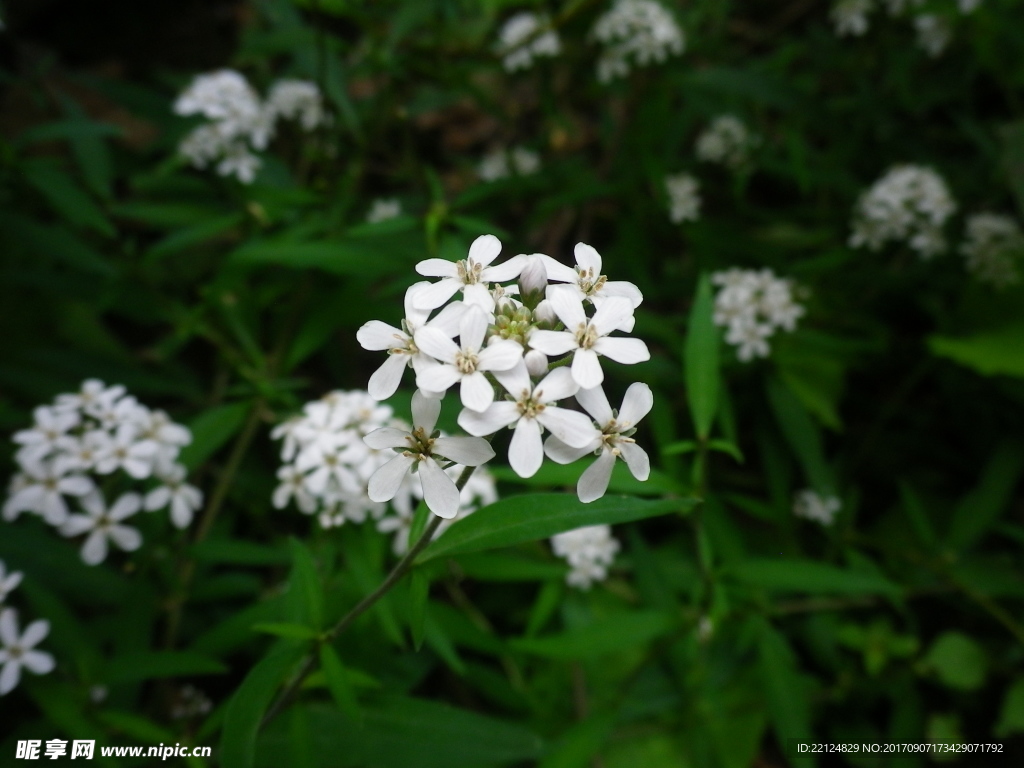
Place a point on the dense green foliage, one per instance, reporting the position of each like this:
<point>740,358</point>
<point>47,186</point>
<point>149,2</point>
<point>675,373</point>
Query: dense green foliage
<point>727,625</point>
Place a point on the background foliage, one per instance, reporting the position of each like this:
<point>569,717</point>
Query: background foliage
<point>723,631</point>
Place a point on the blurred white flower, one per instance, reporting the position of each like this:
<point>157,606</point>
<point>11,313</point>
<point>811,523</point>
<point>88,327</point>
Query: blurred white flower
<point>993,249</point>
<point>850,17</point>
<point>8,581</point>
<point>240,162</point>
<point>727,141</point>
<point>524,37</point>
<point>297,100</point>
<point>41,489</point>
<point>183,499</point>
<point>502,163</point>
<point>635,32</point>
<point>384,209</point>
<point>968,6</point>
<point>104,525</point>
<point>752,305</point>
<point>224,96</point>
<point>811,505</point>
<point>933,33</point>
<point>589,551</point>
<point>17,650</point>
<point>48,434</point>
<point>683,197</point>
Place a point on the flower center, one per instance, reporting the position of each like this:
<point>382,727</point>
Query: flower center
<point>15,652</point>
<point>530,405</point>
<point>586,335</point>
<point>421,445</point>
<point>466,361</point>
<point>469,271</point>
<point>50,484</point>
<point>406,345</point>
<point>588,282</point>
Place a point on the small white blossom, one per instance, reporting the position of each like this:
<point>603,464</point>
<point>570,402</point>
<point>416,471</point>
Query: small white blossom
<point>224,96</point>
<point>909,203</point>
<point>17,650</point>
<point>41,490</point>
<point>240,162</point>
<point>810,505</point>
<point>993,249</point>
<point>471,275</point>
<point>297,100</point>
<point>384,209</point>
<point>752,305</point>
<point>524,37</point>
<point>683,197</point>
<point>850,17</point>
<point>191,702</point>
<point>933,33</point>
<point>968,6</point>
<point>727,141</point>
<point>47,435</point>
<point>183,499</point>
<point>635,32</point>
<point>588,282</point>
<point>589,551</point>
<point>104,525</point>
<point>124,450</point>
<point>502,163</point>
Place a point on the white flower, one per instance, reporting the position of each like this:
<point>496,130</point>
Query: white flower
<point>238,161</point>
<point>297,100</point>
<point>470,275</point>
<point>850,17</point>
<point>293,485</point>
<point>684,197</point>
<point>18,650</point>
<point>635,32</point>
<point>519,41</point>
<point>727,141</point>
<point>752,305</point>
<point>587,338</point>
<point>993,248</point>
<point>909,203</point>
<point>92,395</point>
<point>750,340</point>
<point>933,33</point>
<point>418,449</point>
<point>588,282</point>
<point>384,209</point>
<point>183,499</point>
<point>613,441</point>
<point>124,450</point>
<point>525,162</point>
<point>104,524</point>
<point>494,166</point>
<point>48,434</point>
<point>400,344</point>
<point>812,506</point>
<point>41,491</point>
<point>531,408</point>
<point>589,550</point>
<point>224,96</point>
<point>8,581</point>
<point>466,361</point>
<point>204,144</point>
<point>968,6</point>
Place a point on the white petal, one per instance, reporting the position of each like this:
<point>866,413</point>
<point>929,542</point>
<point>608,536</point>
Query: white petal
<point>126,506</point>
<point>473,328</point>
<point>611,314</point>
<point>158,498</point>
<point>637,460</point>
<point>594,481</point>
<point>385,380</point>
<point>436,294</point>
<point>34,633</point>
<point>181,512</point>
<point>508,270</point>
<point>76,525</point>
<point>571,427</point>
<point>54,510</point>
<point>636,404</point>
<point>139,468</point>
<point>437,378</point>
<point>94,551</point>
<point>553,342</point>
<point>499,415</point>
<point>425,411</point>
<point>126,538</point>
<point>626,351</point>
<point>469,451</point>
<point>75,485</point>
<point>8,627</point>
<point>561,453</point>
<point>478,295</point>
<point>436,268</point>
<point>9,677</point>
<point>448,319</point>
<point>586,369</point>
<point>39,662</point>
<point>596,404</point>
<point>386,437</point>
<point>558,271</point>
<point>485,249</point>
<point>557,385</point>
<point>385,482</point>
<point>414,316</point>
<point>567,305</point>
<point>376,335</point>
<point>439,490</point>
<point>476,392</point>
<point>625,290</point>
<point>588,257</point>
<point>500,355</point>
<point>525,452</point>
<point>437,344</point>
<point>516,380</point>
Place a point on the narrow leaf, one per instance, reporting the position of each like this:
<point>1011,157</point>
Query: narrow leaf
<point>701,360</point>
<point>339,683</point>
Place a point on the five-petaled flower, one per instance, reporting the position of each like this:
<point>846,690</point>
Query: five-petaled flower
<point>18,650</point>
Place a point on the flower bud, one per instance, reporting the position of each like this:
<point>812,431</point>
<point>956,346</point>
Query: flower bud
<point>544,315</point>
<point>533,281</point>
<point>536,363</point>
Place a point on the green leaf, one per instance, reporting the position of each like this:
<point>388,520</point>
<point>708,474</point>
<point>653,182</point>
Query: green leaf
<point>540,516</point>
<point>701,360</point>
<point>786,694</point>
<point>802,434</point>
<point>361,256</point>
<point>135,667</point>
<point>989,352</point>
<point>509,566</point>
<point>1012,136</point>
<point>67,198</point>
<point>238,552</point>
<point>552,475</point>
<point>577,746</point>
<point>419,591</point>
<point>338,682</point>
<point>143,730</point>
<point>195,234</point>
<point>918,516</point>
<point>305,590</point>
<point>620,632</point>
<point>247,706</point>
<point>980,509</point>
<point>796,575</point>
<point>1011,717</point>
<point>211,430</point>
<point>957,661</point>
<point>290,631</point>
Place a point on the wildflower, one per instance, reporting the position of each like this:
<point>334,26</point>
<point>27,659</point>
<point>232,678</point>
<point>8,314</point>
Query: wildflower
<point>183,499</point>
<point>42,488</point>
<point>727,141</point>
<point>811,505</point>
<point>933,33</point>
<point>382,210</point>
<point>501,163</point>
<point>589,551</point>
<point>124,450</point>
<point>524,37</point>
<point>224,96</point>
<point>684,197</point>
<point>417,451</point>
<point>238,161</point>
<point>588,282</point>
<point>18,650</point>
<point>636,32</point>
<point>471,275</point>
<point>48,434</point>
<point>850,17</point>
<point>614,439</point>
<point>103,525</point>
<point>752,305</point>
<point>297,100</point>
<point>993,248</point>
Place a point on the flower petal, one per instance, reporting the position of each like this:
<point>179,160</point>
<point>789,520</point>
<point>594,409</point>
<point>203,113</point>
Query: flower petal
<point>436,268</point>
<point>636,459</point>
<point>385,482</point>
<point>624,289</point>
<point>553,342</point>
<point>566,303</point>
<point>626,351</point>
<point>611,314</point>
<point>376,335</point>
<point>8,627</point>
<point>476,392</point>
<point>508,270</point>
<point>558,271</point>
<point>439,490</point>
<point>587,257</point>
<point>385,380</point>
<point>636,404</point>
<point>76,525</point>
<point>435,343</point>
<point>156,499</point>
<point>560,453</point>
<point>436,294</point>
<point>469,451</point>
<point>425,411</point>
<point>437,378</point>
<point>500,356</point>
<point>516,380</point>
<point>571,427</point>
<point>126,506</point>
<point>586,369</point>
<point>594,481</point>
<point>94,551</point>
<point>472,328</point>
<point>10,674</point>
<point>386,437</point>
<point>595,402</point>
<point>448,319</point>
<point>484,249</point>
<point>39,662</point>
<point>557,385</point>
<point>499,415</point>
<point>126,538</point>
<point>526,452</point>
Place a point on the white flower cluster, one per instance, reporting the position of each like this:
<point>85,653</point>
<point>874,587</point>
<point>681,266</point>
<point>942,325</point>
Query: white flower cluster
<point>240,121</point>
<point>502,163</point>
<point>811,505</point>
<point>993,248</point>
<point>933,33</point>
<point>328,465</point>
<point>635,32</point>
<point>727,141</point>
<point>100,431</point>
<point>507,334</point>
<point>524,37</point>
<point>683,197</point>
<point>384,209</point>
<point>909,203</point>
<point>752,305</point>
<point>589,551</point>
<point>851,18</point>
<point>16,649</point>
